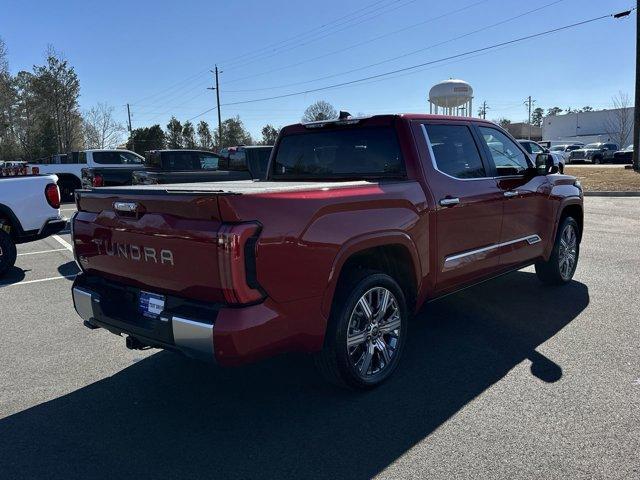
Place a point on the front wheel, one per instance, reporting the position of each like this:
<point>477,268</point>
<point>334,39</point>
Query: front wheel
<point>562,263</point>
<point>8,252</point>
<point>597,161</point>
<point>366,332</point>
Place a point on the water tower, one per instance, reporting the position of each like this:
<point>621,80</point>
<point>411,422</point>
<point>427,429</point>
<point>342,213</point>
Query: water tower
<point>451,97</point>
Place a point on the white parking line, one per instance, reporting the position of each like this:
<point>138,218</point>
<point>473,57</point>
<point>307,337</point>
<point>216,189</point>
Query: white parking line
<point>26,282</point>
<point>44,251</point>
<point>63,242</point>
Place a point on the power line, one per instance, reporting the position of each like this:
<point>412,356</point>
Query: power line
<point>349,47</point>
<point>413,52</point>
<point>308,32</point>
<point>413,67</point>
<point>202,72</point>
<point>325,35</point>
<point>186,80</point>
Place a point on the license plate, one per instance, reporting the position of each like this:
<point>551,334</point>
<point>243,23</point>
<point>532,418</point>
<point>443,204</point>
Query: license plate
<point>150,304</point>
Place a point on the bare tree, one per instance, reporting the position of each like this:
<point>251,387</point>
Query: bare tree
<point>619,122</point>
<point>320,110</point>
<point>100,128</point>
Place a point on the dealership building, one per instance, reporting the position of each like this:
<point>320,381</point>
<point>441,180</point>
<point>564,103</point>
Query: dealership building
<point>587,127</point>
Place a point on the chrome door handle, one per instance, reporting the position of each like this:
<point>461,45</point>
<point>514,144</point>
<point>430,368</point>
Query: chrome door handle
<point>511,193</point>
<point>449,202</point>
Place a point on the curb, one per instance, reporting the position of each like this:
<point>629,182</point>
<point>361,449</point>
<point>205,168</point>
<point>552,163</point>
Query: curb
<point>612,194</point>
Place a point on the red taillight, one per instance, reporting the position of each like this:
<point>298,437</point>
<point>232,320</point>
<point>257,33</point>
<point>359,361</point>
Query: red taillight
<point>52,193</point>
<point>97,180</point>
<point>236,262</point>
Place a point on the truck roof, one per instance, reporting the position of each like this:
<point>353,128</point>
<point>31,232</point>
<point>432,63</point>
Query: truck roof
<point>382,119</point>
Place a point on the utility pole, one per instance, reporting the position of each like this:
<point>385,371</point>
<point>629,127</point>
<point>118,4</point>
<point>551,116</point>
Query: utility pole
<point>636,107</point>
<point>529,102</point>
<point>217,89</point>
<point>483,110</point>
<point>133,144</point>
<point>129,117</point>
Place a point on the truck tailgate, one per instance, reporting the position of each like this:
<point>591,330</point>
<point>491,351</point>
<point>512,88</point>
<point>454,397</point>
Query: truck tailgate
<point>164,243</point>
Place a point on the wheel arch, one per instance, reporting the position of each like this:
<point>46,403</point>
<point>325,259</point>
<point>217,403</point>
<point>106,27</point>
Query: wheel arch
<point>393,253</point>
<point>570,207</point>
<point>6,213</point>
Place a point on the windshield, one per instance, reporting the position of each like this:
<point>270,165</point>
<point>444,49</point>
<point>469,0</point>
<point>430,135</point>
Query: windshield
<point>593,145</point>
<point>340,153</point>
<point>559,148</point>
<point>117,158</point>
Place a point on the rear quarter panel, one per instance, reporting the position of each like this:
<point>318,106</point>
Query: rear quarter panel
<point>24,196</point>
<point>307,236</point>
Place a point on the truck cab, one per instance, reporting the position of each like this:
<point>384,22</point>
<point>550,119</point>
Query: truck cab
<point>69,167</point>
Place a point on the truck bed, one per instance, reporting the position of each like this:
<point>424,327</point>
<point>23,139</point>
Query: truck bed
<point>244,187</point>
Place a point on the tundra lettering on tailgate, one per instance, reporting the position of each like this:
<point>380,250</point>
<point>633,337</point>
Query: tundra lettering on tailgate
<point>134,252</point>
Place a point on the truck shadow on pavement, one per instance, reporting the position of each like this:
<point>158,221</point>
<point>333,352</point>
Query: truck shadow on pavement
<point>13,275</point>
<point>169,417</point>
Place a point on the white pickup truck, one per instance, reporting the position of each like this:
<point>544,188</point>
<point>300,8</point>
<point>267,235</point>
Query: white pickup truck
<point>29,210</point>
<point>68,167</point>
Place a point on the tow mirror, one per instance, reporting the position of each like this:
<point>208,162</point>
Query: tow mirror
<point>545,164</point>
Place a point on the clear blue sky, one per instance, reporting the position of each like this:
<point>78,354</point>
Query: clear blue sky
<point>156,55</point>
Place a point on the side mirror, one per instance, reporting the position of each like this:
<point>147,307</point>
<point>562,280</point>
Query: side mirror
<point>545,164</point>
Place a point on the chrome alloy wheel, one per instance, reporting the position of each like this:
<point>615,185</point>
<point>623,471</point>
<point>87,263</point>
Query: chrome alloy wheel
<point>373,333</point>
<point>568,252</point>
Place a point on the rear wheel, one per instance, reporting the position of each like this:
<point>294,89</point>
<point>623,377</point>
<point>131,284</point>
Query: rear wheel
<point>67,188</point>
<point>7,252</point>
<point>562,263</point>
<point>366,332</point>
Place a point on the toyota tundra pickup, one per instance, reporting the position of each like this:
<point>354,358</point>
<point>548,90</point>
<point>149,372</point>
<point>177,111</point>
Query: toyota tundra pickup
<point>358,223</point>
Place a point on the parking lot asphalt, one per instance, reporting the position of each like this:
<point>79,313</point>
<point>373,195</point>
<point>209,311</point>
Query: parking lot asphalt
<point>509,379</point>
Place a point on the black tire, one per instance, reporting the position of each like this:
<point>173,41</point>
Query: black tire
<point>597,160</point>
<point>335,362</point>
<point>552,272</point>
<point>8,252</point>
<point>561,167</point>
<point>68,187</point>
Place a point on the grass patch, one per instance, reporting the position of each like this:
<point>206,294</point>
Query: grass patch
<point>596,179</point>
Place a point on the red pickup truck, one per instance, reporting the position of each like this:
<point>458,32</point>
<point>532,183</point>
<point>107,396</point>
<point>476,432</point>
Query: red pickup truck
<point>359,222</point>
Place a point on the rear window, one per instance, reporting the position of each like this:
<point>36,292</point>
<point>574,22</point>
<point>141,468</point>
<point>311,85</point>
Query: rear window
<point>116,158</point>
<point>257,161</point>
<point>184,160</point>
<point>344,153</point>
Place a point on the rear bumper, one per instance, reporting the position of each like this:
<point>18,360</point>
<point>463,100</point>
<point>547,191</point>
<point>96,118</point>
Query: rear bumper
<point>228,335</point>
<point>50,227</point>
<point>184,327</point>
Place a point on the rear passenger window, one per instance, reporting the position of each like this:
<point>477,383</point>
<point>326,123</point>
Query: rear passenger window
<point>454,150</point>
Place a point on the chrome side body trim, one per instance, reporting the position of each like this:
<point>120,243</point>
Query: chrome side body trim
<point>83,303</point>
<point>460,259</point>
<point>193,338</point>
